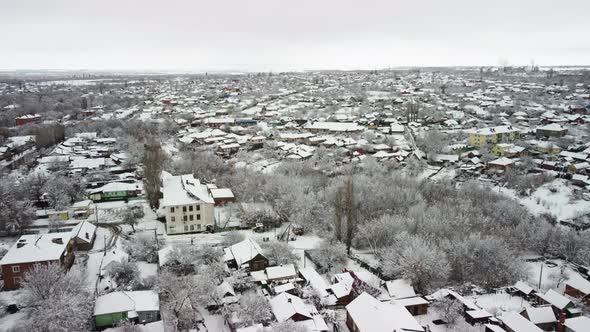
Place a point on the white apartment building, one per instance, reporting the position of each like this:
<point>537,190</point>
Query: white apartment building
<point>188,205</point>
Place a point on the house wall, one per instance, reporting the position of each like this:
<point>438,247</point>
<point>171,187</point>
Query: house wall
<point>176,223</point>
<point>483,139</point>
<point>351,324</point>
<point>108,320</point>
<point>12,280</point>
<point>576,293</point>
<point>148,316</point>
<point>258,263</point>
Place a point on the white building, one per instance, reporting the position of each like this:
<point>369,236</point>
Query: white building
<point>187,204</point>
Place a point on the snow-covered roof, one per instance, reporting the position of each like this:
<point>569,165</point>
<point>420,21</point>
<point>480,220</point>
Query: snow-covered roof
<point>552,127</point>
<point>343,286</point>
<point>138,301</point>
<point>502,161</point>
<point>334,126</point>
<point>37,248</point>
<point>370,314</point>
<point>541,315</point>
<point>400,288</point>
<point>523,287</point>
<point>221,193</point>
<point>84,231</point>
<point>493,130</point>
<point>578,282</point>
<point>284,306</point>
<point>245,250</point>
<point>518,323</point>
<point>184,190</point>
<point>555,299</point>
<point>281,272</point>
<point>410,301</point>
<point>578,324</point>
<point>315,280</point>
<point>116,186</point>
<point>478,313</point>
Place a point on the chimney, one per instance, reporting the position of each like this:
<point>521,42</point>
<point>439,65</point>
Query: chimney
<point>57,240</point>
<point>289,300</point>
<point>560,324</point>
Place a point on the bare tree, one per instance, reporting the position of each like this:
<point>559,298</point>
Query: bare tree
<point>152,162</point>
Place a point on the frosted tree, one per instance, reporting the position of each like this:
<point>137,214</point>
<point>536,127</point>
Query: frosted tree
<point>59,300</point>
<point>279,252</point>
<point>125,274</point>
<point>330,257</point>
<point>253,308</point>
<point>417,260</point>
<point>131,215</point>
<point>449,310</point>
<point>143,247</point>
<point>287,325</point>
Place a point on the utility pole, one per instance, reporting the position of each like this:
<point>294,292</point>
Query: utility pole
<point>541,275</point>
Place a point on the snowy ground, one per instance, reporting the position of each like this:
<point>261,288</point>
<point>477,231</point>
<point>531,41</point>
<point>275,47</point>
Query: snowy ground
<point>555,198</point>
<point>8,321</point>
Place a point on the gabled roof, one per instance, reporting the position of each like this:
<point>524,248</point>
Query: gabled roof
<point>555,299</point>
<point>127,301</point>
<point>541,315</point>
<point>37,248</point>
<point>518,323</point>
<point>372,315</point>
<point>400,288</point>
<point>284,306</point>
<point>183,190</point>
<point>82,229</point>
<point>244,251</point>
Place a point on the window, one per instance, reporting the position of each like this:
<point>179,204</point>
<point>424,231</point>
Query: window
<point>184,209</point>
<point>198,208</point>
<point>190,208</point>
<point>199,226</point>
<point>184,218</point>
<point>198,217</point>
<point>148,316</point>
<point>186,228</point>
<point>172,219</point>
<point>172,209</point>
<point>15,268</point>
<point>17,280</point>
<point>192,227</point>
<point>191,217</point>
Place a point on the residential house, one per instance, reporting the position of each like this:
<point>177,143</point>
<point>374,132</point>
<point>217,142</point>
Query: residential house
<point>493,135</point>
<point>221,195</point>
<point>501,163</point>
<point>289,307</point>
<point>560,303</point>
<point>246,254</point>
<point>578,287</point>
<point>577,324</point>
<point>83,236</point>
<point>514,322</point>
<point>115,191</point>
<point>32,250</point>
<point>551,130</point>
<point>543,317</point>
<point>507,150</point>
<point>187,205</point>
<point>367,314</point>
<point>402,292</point>
<point>28,118</point>
<point>140,307</point>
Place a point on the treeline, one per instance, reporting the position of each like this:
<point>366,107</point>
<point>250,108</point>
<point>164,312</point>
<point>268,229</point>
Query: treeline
<point>434,233</point>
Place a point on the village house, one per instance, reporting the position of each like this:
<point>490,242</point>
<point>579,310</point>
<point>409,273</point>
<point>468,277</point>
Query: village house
<point>114,308</point>
<point>114,191</point>
<point>28,118</point>
<point>551,130</point>
<point>493,135</point>
<point>289,307</point>
<point>514,322</point>
<point>187,204</point>
<point>83,236</point>
<point>558,302</point>
<point>367,314</point>
<point>245,254</point>
<point>576,324</point>
<point>579,288</point>
<point>543,317</point>
<point>32,250</point>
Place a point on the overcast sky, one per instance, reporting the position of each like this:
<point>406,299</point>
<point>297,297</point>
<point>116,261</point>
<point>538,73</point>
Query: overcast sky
<point>261,35</point>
